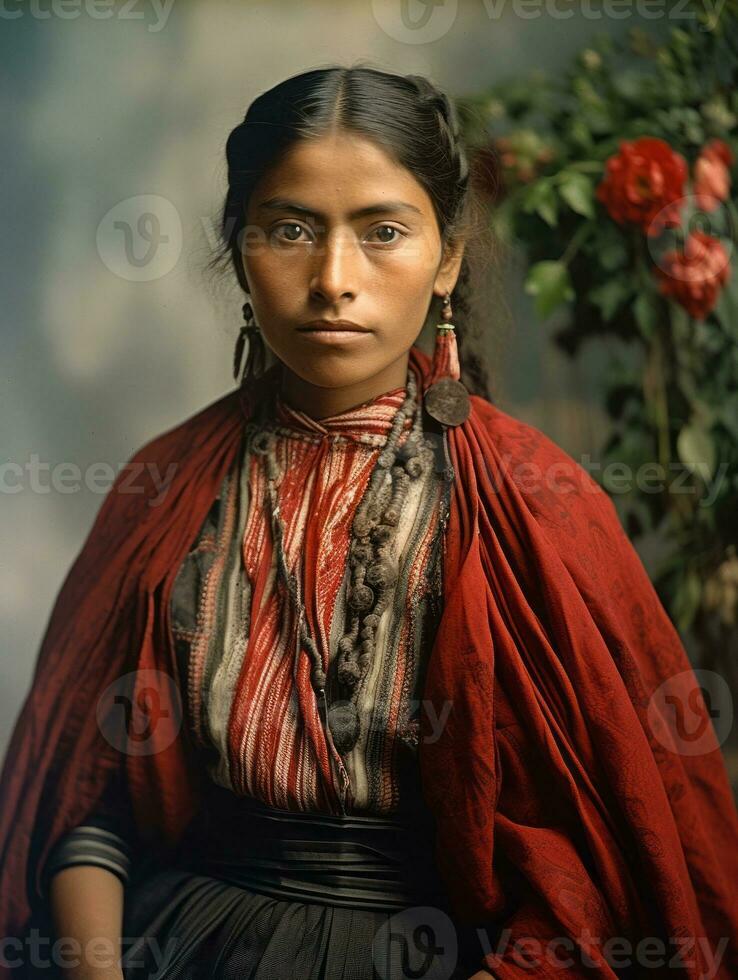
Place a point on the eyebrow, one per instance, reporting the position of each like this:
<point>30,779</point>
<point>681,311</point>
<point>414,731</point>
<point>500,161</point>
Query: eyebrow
<point>283,204</point>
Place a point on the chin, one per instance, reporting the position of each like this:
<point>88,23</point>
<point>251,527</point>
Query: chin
<point>332,370</point>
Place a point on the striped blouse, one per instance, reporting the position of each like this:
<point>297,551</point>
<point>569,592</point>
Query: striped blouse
<point>249,704</point>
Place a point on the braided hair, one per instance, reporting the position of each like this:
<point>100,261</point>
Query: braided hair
<point>415,123</point>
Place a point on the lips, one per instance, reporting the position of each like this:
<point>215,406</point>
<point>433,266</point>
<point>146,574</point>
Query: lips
<point>335,325</point>
<point>333,333</point>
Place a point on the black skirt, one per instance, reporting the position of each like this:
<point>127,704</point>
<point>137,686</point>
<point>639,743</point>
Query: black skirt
<point>258,893</point>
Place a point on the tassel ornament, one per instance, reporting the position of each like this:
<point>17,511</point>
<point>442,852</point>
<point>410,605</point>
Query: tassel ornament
<point>256,358</point>
<point>446,398</point>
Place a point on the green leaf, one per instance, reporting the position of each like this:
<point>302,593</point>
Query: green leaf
<point>687,600</point>
<point>598,120</point>
<point>580,133</point>
<point>610,295</point>
<point>541,198</point>
<point>628,83</point>
<point>696,450</point>
<point>725,310</point>
<point>577,191</point>
<point>548,211</point>
<point>550,284</point>
<point>686,384</point>
<point>728,414</point>
<point>645,311</point>
<point>704,414</point>
<point>613,255</point>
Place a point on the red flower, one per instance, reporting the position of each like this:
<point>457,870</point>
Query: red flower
<point>721,150</point>
<point>695,276</point>
<point>643,184</point>
<point>711,182</point>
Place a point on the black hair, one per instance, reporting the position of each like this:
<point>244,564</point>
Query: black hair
<point>410,119</point>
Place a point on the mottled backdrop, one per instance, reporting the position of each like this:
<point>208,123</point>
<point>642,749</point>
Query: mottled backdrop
<point>111,331</point>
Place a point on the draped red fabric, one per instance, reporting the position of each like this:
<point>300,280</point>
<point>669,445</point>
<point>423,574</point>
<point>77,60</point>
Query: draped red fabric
<point>578,829</point>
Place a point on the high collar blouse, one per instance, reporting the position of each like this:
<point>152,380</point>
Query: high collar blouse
<point>246,692</point>
<point>250,704</point>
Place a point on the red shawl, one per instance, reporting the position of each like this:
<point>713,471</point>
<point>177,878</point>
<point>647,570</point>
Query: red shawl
<point>558,766</point>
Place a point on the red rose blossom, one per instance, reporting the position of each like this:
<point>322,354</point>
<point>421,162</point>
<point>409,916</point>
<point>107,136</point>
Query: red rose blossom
<point>643,184</point>
<point>711,176</point>
<point>695,277</point>
<point>721,150</point>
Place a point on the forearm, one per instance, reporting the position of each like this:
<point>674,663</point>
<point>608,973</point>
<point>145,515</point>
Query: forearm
<point>87,911</point>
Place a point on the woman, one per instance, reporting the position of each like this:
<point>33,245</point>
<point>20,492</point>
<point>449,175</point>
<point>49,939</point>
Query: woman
<point>371,684</point>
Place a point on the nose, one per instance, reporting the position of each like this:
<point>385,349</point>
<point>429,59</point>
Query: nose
<point>334,275</point>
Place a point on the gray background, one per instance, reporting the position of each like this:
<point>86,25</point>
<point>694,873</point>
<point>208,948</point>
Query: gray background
<point>98,111</point>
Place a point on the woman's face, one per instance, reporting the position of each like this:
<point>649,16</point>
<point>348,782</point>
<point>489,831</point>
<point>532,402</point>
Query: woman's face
<point>338,230</point>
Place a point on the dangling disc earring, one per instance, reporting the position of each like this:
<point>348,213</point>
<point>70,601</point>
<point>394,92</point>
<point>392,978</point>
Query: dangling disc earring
<point>446,398</point>
<point>256,358</point>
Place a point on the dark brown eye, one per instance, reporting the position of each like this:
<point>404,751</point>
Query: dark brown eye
<point>388,228</point>
<point>292,227</point>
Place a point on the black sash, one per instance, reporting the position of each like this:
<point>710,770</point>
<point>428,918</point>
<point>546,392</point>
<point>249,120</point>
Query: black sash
<point>362,861</point>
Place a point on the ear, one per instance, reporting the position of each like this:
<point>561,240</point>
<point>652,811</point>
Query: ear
<point>448,271</point>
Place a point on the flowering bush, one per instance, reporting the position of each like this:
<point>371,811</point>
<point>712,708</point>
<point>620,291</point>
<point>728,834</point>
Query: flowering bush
<point>616,179</point>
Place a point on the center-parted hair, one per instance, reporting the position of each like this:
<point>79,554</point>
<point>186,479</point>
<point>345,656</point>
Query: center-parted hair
<point>414,122</point>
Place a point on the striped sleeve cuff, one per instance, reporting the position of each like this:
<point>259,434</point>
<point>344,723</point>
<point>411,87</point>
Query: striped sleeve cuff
<point>88,844</point>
